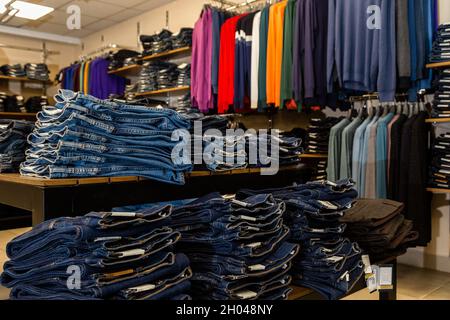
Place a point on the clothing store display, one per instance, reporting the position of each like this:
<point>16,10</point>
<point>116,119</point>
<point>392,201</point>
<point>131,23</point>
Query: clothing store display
<point>157,43</point>
<point>13,143</point>
<point>327,263</point>
<point>440,165</point>
<point>120,257</point>
<point>158,75</point>
<point>238,249</point>
<point>122,58</point>
<point>37,71</point>
<point>183,38</point>
<point>319,134</point>
<point>35,104</point>
<point>91,77</point>
<point>16,70</point>
<point>380,228</point>
<point>441,103</point>
<point>184,75</point>
<point>441,49</point>
<point>82,136</point>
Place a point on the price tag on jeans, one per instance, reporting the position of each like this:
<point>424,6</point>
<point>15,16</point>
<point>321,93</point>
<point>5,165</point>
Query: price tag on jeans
<point>257,267</point>
<point>143,288</point>
<point>124,214</point>
<point>385,279</point>
<point>247,294</point>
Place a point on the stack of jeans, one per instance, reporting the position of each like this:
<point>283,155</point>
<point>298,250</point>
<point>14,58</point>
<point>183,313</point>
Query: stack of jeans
<point>440,165</point>
<point>441,103</point>
<point>380,228</point>
<point>15,70</point>
<point>35,104</point>
<point>12,103</point>
<point>441,46</point>
<point>237,250</point>
<point>106,255</point>
<point>184,75</point>
<point>328,263</point>
<point>184,102</point>
<point>82,136</point>
<point>182,39</point>
<point>167,76</point>
<point>13,143</point>
<point>158,43</point>
<point>37,71</point>
<point>319,134</point>
<point>117,59</point>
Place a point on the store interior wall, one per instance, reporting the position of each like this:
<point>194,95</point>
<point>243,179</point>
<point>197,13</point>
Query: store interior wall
<point>68,54</point>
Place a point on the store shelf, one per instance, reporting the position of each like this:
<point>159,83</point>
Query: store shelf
<point>133,70</point>
<point>158,92</point>
<point>22,79</point>
<point>437,65</point>
<point>438,191</point>
<point>16,115</point>
<point>314,156</point>
<point>167,54</point>
<point>438,120</point>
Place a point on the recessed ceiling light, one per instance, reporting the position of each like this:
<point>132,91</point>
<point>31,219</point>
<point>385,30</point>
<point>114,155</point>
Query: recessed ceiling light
<point>26,10</point>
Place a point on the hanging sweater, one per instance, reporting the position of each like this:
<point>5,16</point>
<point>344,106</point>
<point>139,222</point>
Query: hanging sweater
<point>286,67</point>
<point>262,70</point>
<point>363,56</point>
<point>254,74</point>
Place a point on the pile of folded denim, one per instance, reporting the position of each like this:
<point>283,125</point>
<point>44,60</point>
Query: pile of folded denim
<point>82,136</point>
<point>37,71</point>
<point>319,134</point>
<point>441,46</point>
<point>12,103</point>
<point>15,70</point>
<point>238,249</point>
<point>35,104</point>
<point>440,164</point>
<point>320,171</point>
<point>184,102</point>
<point>328,262</point>
<point>103,255</point>
<point>184,75</point>
<point>157,43</point>
<point>13,143</point>
<point>380,228</point>
<point>441,103</point>
<point>183,38</point>
<point>157,75</point>
<point>122,58</point>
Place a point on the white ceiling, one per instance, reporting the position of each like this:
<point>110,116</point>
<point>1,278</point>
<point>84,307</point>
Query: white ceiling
<point>96,15</point>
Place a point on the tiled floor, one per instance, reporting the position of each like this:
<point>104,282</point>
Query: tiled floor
<point>413,283</point>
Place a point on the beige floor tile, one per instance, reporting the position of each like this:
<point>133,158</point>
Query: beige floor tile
<point>418,283</point>
<point>4,293</point>
<point>442,293</point>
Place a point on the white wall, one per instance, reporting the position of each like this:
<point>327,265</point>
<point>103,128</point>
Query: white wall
<point>437,254</point>
<point>182,13</point>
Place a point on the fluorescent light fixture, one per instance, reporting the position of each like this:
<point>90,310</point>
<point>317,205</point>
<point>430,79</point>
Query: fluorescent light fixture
<point>26,10</point>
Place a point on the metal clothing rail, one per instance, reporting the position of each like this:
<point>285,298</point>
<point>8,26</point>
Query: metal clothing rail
<point>108,47</point>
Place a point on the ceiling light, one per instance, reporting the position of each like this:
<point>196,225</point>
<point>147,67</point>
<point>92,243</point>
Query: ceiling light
<point>26,10</point>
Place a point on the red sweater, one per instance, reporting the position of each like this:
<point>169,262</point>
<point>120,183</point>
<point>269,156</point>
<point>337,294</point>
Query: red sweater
<point>226,64</point>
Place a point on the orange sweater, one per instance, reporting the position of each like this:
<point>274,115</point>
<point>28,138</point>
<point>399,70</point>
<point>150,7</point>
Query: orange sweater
<point>275,52</point>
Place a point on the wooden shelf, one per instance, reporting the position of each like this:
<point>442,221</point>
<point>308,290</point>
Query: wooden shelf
<point>16,115</point>
<point>314,156</point>
<point>445,64</point>
<point>167,54</point>
<point>154,93</point>
<point>437,191</point>
<point>23,79</point>
<point>438,120</point>
<point>133,70</point>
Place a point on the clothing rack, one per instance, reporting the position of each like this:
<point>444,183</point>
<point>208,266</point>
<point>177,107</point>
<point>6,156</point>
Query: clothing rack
<point>233,5</point>
<point>102,50</point>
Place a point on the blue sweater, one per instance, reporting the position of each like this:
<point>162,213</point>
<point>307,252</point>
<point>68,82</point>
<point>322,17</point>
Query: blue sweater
<point>364,59</point>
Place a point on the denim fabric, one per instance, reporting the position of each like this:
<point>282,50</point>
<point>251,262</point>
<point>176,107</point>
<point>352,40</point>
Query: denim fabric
<point>82,136</point>
<point>13,143</point>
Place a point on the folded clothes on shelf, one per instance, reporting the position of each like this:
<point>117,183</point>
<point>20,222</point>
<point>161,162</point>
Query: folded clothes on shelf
<point>183,38</point>
<point>37,71</point>
<point>13,143</point>
<point>123,58</point>
<point>157,43</point>
<point>35,104</point>
<point>15,70</point>
<point>82,136</point>
<point>440,51</point>
<point>12,103</point>
<point>103,255</point>
<point>157,75</point>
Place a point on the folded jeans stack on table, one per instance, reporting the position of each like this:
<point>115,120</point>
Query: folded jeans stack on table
<point>37,71</point>
<point>440,164</point>
<point>183,38</point>
<point>82,136</point>
<point>103,255</point>
<point>13,143</point>
<point>15,70</point>
<point>441,46</point>
<point>380,228</point>
<point>441,103</point>
<point>158,43</point>
<point>237,249</point>
<point>328,263</point>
